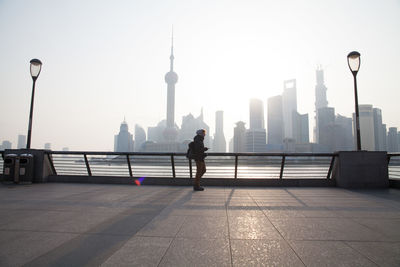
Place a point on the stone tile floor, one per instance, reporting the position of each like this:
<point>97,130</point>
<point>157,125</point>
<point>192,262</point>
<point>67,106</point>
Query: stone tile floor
<point>125,225</point>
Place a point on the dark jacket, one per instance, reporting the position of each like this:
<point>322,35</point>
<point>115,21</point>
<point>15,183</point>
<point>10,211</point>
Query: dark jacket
<point>198,148</point>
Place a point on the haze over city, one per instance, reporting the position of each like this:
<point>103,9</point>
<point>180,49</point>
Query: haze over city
<point>106,60</point>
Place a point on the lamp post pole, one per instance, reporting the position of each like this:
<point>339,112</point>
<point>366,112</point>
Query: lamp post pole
<point>36,66</point>
<point>357,114</point>
<point>353,60</point>
<point>28,144</point>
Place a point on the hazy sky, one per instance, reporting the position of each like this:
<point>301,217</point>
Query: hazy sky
<point>103,60</point>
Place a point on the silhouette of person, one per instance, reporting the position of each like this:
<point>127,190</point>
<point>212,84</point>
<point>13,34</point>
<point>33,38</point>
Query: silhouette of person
<point>199,155</point>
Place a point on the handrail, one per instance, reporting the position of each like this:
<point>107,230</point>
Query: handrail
<point>287,154</point>
<point>156,164</point>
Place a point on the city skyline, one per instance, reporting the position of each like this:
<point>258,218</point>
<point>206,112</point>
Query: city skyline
<point>97,71</point>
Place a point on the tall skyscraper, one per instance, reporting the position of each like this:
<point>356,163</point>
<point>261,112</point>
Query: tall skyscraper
<point>366,127</point>
<point>343,134</point>
<point>239,137</point>
<point>320,90</point>
<point>384,130</point>
<point>256,137</point>
<point>123,141</point>
<point>140,137</point>
<point>21,141</point>
<point>275,120</point>
<point>325,125</point>
<point>300,128</point>
<point>219,144</point>
<point>171,78</point>
<point>256,114</point>
<point>289,104</point>
<point>379,132</point>
<point>392,140</point>
<point>47,146</point>
<point>320,99</point>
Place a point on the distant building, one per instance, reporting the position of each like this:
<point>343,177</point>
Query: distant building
<point>289,145</point>
<point>325,128</point>
<point>384,130</point>
<point>140,138</point>
<point>171,78</point>
<point>65,149</point>
<point>219,143</point>
<point>398,142</point>
<point>123,141</point>
<point>164,147</point>
<point>256,114</point>
<point>21,141</point>
<point>256,140</point>
<point>320,90</point>
<point>6,145</point>
<point>320,99</point>
<point>379,131</point>
<point>231,145</point>
<point>289,104</point>
<point>239,137</point>
<point>343,134</point>
<point>366,127</point>
<point>392,140</point>
<point>155,134</point>
<point>275,120</point>
<point>256,136</point>
<point>300,128</point>
<point>190,125</point>
<point>47,146</point>
<point>163,137</point>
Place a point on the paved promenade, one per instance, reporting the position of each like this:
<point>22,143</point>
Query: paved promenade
<point>125,225</point>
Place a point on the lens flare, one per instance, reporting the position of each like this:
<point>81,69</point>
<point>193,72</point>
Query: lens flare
<point>139,181</point>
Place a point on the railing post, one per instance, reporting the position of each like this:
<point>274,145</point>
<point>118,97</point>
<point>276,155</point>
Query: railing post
<point>331,167</point>
<point>173,166</point>
<point>129,165</point>
<point>87,165</point>
<point>282,166</point>
<point>51,164</point>
<point>236,165</point>
<point>190,168</point>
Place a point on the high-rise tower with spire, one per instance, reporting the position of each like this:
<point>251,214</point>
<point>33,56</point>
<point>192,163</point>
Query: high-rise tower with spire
<point>320,90</point>
<point>321,103</point>
<point>171,78</point>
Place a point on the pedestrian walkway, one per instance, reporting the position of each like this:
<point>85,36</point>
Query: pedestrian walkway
<point>58,224</point>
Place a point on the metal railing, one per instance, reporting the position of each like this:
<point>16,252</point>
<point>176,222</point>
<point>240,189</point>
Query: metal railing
<point>394,165</point>
<point>176,165</point>
<point>219,165</point>
<point>1,161</point>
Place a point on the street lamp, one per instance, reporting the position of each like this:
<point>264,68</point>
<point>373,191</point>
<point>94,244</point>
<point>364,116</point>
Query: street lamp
<point>36,66</point>
<point>353,60</point>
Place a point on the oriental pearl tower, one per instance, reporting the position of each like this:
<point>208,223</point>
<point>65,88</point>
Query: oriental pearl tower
<point>171,78</point>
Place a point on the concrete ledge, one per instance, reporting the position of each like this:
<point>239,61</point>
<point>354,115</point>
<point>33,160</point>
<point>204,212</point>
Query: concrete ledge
<point>361,169</point>
<point>188,181</point>
<point>394,183</point>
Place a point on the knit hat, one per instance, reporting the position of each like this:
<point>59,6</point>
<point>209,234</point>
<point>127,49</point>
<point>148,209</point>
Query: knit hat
<point>201,132</point>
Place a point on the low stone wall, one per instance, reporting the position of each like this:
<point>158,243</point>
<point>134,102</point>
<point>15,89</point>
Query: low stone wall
<point>189,182</point>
